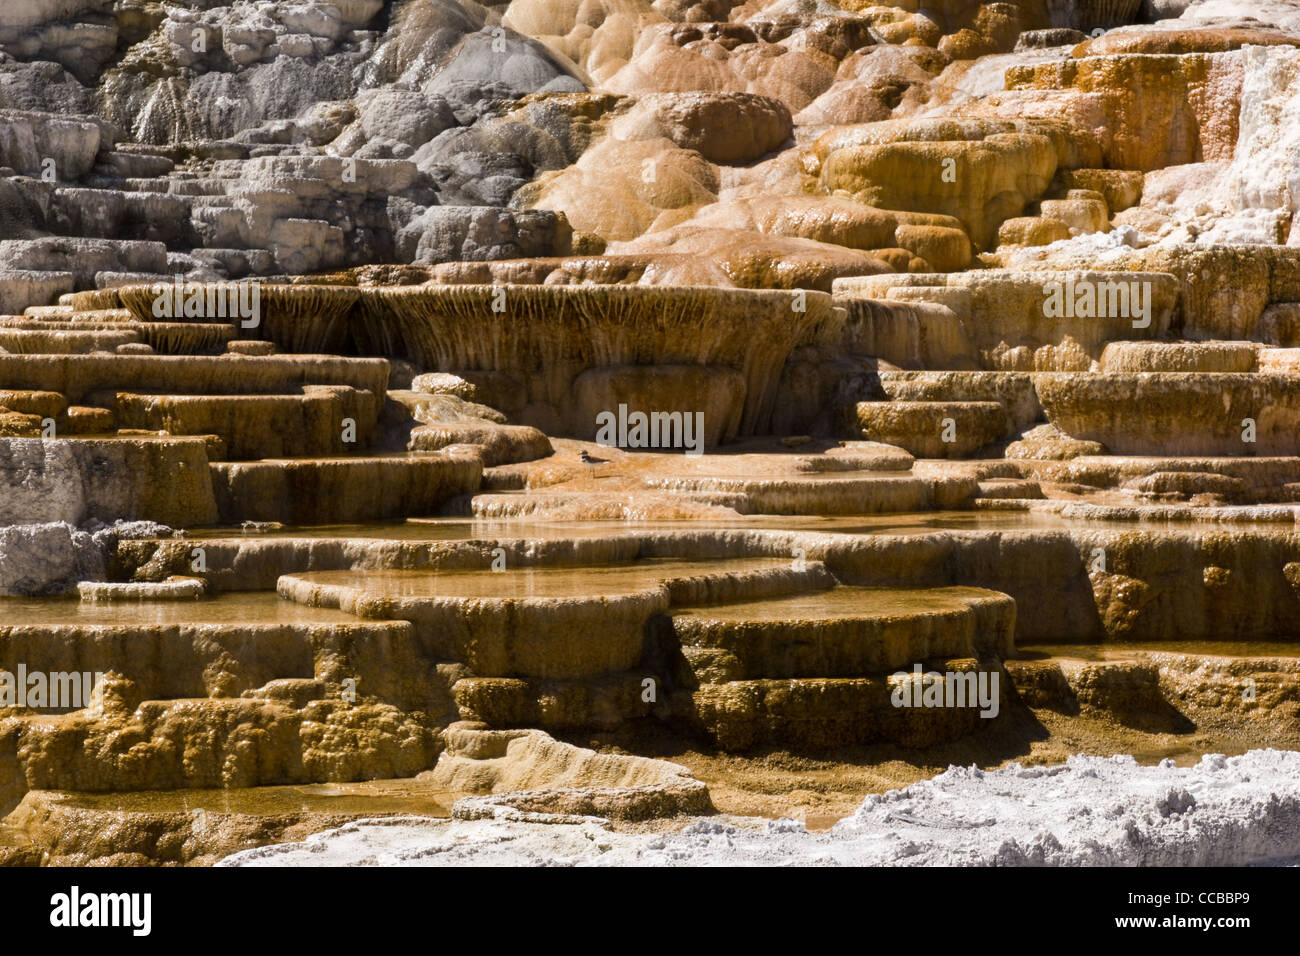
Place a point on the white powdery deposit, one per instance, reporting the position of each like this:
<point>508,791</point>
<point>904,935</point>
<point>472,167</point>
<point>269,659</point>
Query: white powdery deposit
<point>1090,811</point>
<point>1254,198</point>
<point>1282,14</point>
<point>1265,170</point>
<point>42,481</point>
<point>39,559</point>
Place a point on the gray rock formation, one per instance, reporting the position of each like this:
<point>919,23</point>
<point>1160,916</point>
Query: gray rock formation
<point>37,559</point>
<point>240,139</point>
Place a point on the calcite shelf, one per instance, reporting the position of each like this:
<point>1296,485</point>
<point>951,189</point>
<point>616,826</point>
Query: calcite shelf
<point>954,351</point>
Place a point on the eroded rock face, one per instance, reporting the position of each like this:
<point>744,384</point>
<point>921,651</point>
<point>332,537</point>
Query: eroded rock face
<point>1177,413</point>
<point>547,336</point>
<point>730,129</point>
<point>715,392</point>
<point>529,772</point>
<point>626,122</point>
<point>979,175</point>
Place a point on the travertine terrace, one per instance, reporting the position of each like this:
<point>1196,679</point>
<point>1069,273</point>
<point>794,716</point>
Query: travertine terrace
<point>534,412</point>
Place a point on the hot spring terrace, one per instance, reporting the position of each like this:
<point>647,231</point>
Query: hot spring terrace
<point>376,542</point>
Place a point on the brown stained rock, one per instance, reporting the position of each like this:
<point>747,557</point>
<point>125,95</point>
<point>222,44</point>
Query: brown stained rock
<point>94,299</point>
<point>1121,600</point>
<point>1180,357</point>
<point>1187,484</point>
<point>1047,443</point>
<point>593,703</point>
<point>341,490</point>
<point>1041,684</point>
<point>1216,577</point>
<point>500,444</point>
<point>530,772</point>
<point>1080,216</point>
<point>66,833</point>
<point>1031,231</point>
<point>828,219</point>
<point>966,44</point>
<point>1181,413</point>
<point>748,261</point>
<point>847,631</point>
<point>979,173</point>
<point>933,429</point>
<point>909,334</point>
<point>75,376</point>
<point>1179,41</point>
<point>872,83</point>
<point>297,318</point>
<point>1222,291</point>
<point>215,743</point>
<point>817,714</point>
<point>257,426</point>
<point>715,392</point>
<point>1126,690</point>
<point>130,478</point>
<point>619,189</point>
<point>945,249</point>
<point>1014,391</point>
<point>1012,310</point>
<point>18,425</point>
<point>87,420</point>
<point>39,403</point>
<point>1185,112</point>
<point>1121,188</point>
<point>456,327</point>
<point>250,347</point>
<point>726,128</point>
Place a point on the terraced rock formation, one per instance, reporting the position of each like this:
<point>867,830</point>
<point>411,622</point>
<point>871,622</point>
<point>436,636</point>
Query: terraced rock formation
<point>517,411</point>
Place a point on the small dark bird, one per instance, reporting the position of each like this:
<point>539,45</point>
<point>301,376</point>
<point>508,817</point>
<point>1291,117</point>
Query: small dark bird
<point>588,459</point>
